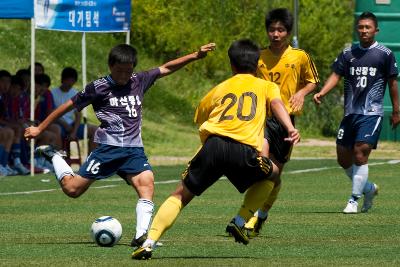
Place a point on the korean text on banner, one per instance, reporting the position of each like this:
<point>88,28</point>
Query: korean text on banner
<point>83,15</point>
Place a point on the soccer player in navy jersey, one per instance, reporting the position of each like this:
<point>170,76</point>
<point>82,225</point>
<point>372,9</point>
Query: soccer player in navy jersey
<point>117,102</point>
<point>366,67</point>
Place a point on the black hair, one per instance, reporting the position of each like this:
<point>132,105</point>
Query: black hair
<point>17,80</point>
<point>22,72</point>
<point>244,55</point>
<point>368,15</point>
<point>69,72</point>
<point>37,64</point>
<point>282,15</point>
<point>42,79</point>
<point>122,53</point>
<point>4,73</point>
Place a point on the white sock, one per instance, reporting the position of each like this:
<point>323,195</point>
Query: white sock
<point>349,172</point>
<point>360,178</point>
<point>61,168</point>
<point>149,243</point>
<point>144,211</point>
<point>239,221</point>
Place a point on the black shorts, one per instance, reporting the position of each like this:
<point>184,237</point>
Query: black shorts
<point>275,133</point>
<point>220,156</point>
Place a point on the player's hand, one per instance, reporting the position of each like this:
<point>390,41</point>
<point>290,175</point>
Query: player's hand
<point>296,102</point>
<point>318,98</point>
<point>204,49</point>
<point>31,132</point>
<point>395,119</point>
<point>294,136</point>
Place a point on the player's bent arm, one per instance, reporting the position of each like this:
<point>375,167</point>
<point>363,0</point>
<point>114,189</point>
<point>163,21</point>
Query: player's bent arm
<point>280,112</point>
<point>330,83</point>
<point>178,63</point>
<point>297,100</point>
<point>32,132</point>
<point>394,96</point>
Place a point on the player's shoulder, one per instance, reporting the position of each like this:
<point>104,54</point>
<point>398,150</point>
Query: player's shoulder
<point>102,82</point>
<point>264,84</point>
<point>295,50</point>
<point>348,49</point>
<point>382,48</point>
<point>145,73</point>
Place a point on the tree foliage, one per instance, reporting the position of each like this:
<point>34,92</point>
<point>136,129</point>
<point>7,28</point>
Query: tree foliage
<point>168,28</point>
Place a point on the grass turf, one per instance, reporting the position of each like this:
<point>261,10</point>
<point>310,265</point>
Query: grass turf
<point>306,226</point>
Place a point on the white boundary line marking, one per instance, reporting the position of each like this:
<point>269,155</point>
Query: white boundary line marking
<point>176,181</point>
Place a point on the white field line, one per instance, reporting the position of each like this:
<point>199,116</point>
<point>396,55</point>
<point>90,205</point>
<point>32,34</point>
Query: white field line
<point>176,181</point>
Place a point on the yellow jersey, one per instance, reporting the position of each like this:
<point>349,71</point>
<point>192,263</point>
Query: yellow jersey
<point>236,108</point>
<point>291,71</point>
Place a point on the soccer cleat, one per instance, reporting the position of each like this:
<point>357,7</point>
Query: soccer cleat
<point>237,232</point>
<point>227,228</point>
<point>48,151</point>
<point>142,253</point>
<point>351,207</point>
<point>137,242</point>
<point>254,226</point>
<point>369,197</point>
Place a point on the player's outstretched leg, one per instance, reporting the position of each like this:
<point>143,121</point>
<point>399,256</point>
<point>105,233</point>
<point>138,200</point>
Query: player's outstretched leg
<point>48,151</point>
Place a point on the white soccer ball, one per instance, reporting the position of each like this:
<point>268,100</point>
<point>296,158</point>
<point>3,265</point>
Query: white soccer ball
<point>106,231</point>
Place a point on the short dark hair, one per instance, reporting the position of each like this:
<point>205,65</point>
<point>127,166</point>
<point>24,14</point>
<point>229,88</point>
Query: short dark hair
<point>4,73</point>
<point>17,80</point>
<point>43,79</point>
<point>244,55</point>
<point>69,72</point>
<point>280,14</point>
<point>122,53</point>
<point>22,72</point>
<point>368,15</point>
<point>37,64</point>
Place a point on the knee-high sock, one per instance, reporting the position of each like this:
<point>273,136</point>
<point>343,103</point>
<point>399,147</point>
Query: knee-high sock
<point>144,211</point>
<point>61,168</point>
<point>165,217</point>
<point>255,197</point>
<point>360,178</point>
<point>368,185</point>
<point>271,200</point>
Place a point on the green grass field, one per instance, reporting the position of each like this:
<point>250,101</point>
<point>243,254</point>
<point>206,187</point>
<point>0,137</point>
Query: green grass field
<point>40,226</point>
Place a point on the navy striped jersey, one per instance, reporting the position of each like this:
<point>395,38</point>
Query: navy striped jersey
<point>118,108</point>
<point>366,72</point>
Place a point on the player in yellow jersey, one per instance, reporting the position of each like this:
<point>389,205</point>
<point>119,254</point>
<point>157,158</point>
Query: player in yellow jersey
<point>231,118</point>
<point>294,72</point>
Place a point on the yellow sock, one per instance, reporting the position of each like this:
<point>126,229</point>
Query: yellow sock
<point>165,217</point>
<point>255,197</point>
<point>272,197</point>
